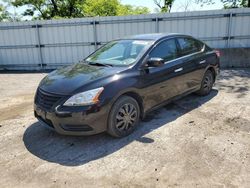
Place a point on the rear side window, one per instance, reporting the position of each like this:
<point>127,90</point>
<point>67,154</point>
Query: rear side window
<point>167,50</point>
<point>189,46</point>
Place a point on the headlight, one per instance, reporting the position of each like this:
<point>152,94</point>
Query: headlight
<point>84,98</point>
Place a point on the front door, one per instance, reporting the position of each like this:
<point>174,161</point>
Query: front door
<point>162,83</point>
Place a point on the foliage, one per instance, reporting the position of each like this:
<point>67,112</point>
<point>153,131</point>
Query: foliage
<point>49,9</point>
<point>111,8</point>
<point>164,5</point>
<point>227,3</point>
<point>52,9</point>
<point>100,7</point>
<point>131,10</point>
<point>3,13</point>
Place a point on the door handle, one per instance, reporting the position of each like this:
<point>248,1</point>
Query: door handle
<point>178,70</point>
<point>202,62</point>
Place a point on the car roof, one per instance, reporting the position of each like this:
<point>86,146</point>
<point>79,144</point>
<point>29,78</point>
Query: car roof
<point>154,36</point>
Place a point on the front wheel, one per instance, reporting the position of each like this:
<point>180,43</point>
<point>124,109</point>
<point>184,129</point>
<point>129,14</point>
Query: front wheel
<point>124,117</point>
<point>207,83</point>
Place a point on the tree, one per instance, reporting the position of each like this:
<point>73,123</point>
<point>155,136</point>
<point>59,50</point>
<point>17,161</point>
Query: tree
<point>100,7</point>
<point>131,10</point>
<point>186,5</point>
<point>111,8</point>
<point>227,3</point>
<point>48,9</point>
<point>4,15</point>
<point>164,5</point>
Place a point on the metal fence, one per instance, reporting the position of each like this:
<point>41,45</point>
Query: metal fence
<point>49,44</point>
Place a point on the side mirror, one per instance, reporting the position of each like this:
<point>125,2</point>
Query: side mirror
<point>155,62</point>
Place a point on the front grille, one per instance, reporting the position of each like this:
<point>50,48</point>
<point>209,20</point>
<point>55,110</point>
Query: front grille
<point>46,100</point>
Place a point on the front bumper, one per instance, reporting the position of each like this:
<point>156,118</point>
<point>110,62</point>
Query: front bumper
<point>74,120</point>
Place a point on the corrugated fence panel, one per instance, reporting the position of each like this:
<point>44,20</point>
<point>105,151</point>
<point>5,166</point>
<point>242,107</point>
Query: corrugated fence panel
<point>52,43</point>
<point>241,29</point>
<point>198,25</point>
<point>17,45</point>
<point>70,40</point>
<point>110,28</point>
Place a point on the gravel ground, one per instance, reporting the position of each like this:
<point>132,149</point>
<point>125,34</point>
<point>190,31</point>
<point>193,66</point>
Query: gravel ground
<point>193,142</point>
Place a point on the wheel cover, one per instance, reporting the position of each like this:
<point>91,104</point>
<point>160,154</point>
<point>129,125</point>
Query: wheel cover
<point>126,117</point>
<point>208,83</point>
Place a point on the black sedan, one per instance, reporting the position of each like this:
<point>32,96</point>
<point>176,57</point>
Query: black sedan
<point>117,85</point>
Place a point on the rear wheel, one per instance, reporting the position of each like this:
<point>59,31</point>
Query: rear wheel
<point>207,83</point>
<point>123,117</point>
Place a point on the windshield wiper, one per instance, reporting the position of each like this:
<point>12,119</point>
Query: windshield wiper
<point>100,64</point>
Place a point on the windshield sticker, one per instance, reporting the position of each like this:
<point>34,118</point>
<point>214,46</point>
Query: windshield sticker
<point>140,42</point>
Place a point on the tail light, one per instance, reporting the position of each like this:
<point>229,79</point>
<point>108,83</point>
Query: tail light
<point>217,53</point>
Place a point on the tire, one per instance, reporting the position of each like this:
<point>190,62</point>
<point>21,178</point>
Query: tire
<point>124,117</point>
<point>206,84</point>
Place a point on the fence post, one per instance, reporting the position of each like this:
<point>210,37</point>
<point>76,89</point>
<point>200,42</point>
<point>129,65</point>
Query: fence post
<point>229,34</point>
<point>39,46</point>
<point>156,24</point>
<point>95,34</point>
<point>229,29</point>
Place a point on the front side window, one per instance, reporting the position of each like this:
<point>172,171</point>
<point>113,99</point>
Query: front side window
<point>166,50</point>
<point>120,52</point>
<point>189,45</point>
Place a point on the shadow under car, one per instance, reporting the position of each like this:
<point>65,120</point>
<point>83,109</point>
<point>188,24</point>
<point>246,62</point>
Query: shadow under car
<point>74,151</point>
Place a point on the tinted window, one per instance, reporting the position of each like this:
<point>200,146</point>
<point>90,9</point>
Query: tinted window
<point>166,50</point>
<point>189,45</point>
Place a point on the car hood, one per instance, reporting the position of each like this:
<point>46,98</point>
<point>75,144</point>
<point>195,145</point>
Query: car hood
<point>68,79</point>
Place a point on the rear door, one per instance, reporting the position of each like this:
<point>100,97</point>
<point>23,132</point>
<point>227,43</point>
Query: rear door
<point>191,52</point>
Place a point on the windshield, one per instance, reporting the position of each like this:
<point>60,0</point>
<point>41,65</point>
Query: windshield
<point>120,52</point>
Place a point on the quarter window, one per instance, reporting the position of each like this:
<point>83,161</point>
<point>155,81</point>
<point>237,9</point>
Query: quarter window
<point>166,50</point>
<point>189,45</point>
